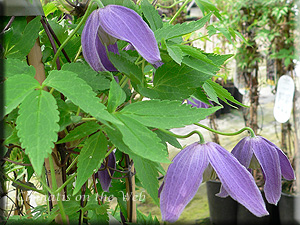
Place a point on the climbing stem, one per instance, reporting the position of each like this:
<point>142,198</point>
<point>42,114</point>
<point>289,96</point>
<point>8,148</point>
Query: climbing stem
<point>110,150</point>
<point>179,11</point>
<point>58,190</point>
<point>72,164</point>
<point>99,3</point>
<point>227,134</point>
<point>185,136</point>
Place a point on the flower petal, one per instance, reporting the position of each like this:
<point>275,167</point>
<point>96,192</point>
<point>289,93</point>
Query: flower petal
<point>268,158</point>
<point>243,152</point>
<point>125,24</point>
<point>93,50</point>
<point>286,168</point>
<point>103,175</point>
<point>182,181</point>
<point>236,179</point>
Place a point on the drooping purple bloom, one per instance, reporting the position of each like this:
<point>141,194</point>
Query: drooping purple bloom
<point>272,160</point>
<point>185,175</point>
<point>105,25</point>
<point>103,175</point>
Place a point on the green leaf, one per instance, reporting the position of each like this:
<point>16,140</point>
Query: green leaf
<point>99,214</point>
<point>175,82</point>
<point>147,173</point>
<point>13,67</point>
<point>37,126</point>
<point>223,94</point>
<point>28,38</point>
<point>219,60</point>
<point>80,93</point>
<point>196,53</point>
<point>210,91</point>
<point>81,131</point>
<point>90,158</point>
<point>49,8</point>
<point>144,220</point>
<point>175,53</point>
<point>171,31</point>
<point>12,139</point>
<point>96,80</point>
<point>151,15</point>
<point>16,89</point>
<point>141,140</point>
<point>207,6</point>
<point>167,92</point>
<point>165,114</point>
<point>226,34</point>
<point>116,96</point>
<point>132,71</point>
<point>205,69</point>
<point>167,138</point>
<point>146,169</point>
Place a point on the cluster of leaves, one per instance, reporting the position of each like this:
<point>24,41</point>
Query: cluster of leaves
<point>93,113</point>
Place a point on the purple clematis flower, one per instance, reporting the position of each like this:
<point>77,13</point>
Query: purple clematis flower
<point>105,25</point>
<point>103,175</point>
<point>185,175</point>
<point>272,160</point>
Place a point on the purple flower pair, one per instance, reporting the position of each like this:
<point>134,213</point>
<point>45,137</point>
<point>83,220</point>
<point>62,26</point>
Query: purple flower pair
<point>105,25</point>
<point>185,175</point>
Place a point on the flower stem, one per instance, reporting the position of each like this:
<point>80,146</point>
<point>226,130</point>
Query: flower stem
<point>58,190</point>
<point>227,134</point>
<point>179,11</point>
<point>72,164</point>
<point>185,136</point>
<point>110,150</point>
<point>99,3</point>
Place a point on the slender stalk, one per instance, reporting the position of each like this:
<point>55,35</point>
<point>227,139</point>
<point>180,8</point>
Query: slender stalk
<point>58,190</point>
<point>54,186</point>
<point>46,28</point>
<point>179,11</point>
<point>44,185</point>
<point>185,136</point>
<point>110,150</point>
<point>169,6</point>
<point>78,53</point>
<point>227,134</point>
<point>125,82</point>
<point>88,119</point>
<point>99,3</point>
<point>11,20</point>
<point>72,164</point>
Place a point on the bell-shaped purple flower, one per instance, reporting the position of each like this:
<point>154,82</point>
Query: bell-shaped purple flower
<point>103,175</point>
<point>105,25</point>
<point>272,160</point>
<point>185,175</point>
